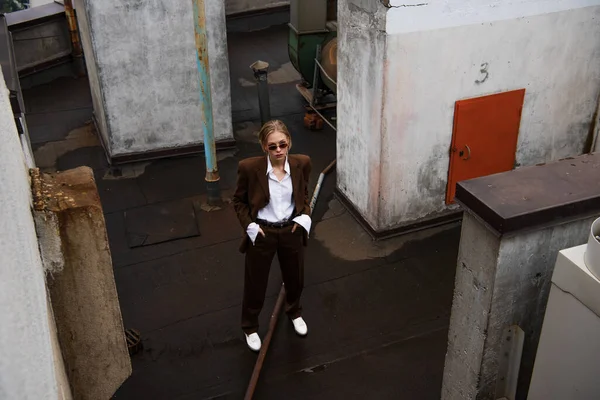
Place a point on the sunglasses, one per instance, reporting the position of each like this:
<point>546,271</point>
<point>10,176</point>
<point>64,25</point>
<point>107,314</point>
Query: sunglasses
<point>281,145</point>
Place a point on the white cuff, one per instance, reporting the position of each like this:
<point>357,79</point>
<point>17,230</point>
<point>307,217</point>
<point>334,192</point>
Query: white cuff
<point>304,221</point>
<point>252,231</point>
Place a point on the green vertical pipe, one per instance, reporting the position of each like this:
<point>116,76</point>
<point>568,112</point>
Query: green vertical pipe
<point>212,170</point>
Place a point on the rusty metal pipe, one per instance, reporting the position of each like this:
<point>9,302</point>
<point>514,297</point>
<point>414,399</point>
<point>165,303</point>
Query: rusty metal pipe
<point>76,49</point>
<point>210,152</point>
<point>265,345</point>
<point>313,201</point>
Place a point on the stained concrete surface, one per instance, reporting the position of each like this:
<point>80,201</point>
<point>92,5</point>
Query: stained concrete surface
<point>83,294</point>
<point>49,120</point>
<point>377,311</point>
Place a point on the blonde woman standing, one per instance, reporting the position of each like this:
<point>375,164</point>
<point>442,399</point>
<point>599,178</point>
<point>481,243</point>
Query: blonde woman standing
<point>272,205</point>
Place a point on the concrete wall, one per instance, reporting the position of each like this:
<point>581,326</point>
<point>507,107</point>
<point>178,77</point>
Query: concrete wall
<point>30,365</point>
<point>231,6</point>
<point>85,33</point>
<point>238,6</point>
<point>81,284</point>
<point>433,56</point>
<point>470,309</point>
<point>361,53</point>
<point>218,63</point>
<point>521,288</point>
<point>500,282</point>
<point>147,80</point>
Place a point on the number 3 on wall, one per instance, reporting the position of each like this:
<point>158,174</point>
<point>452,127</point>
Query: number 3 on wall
<point>483,71</point>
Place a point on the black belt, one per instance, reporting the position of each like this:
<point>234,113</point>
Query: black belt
<point>268,224</point>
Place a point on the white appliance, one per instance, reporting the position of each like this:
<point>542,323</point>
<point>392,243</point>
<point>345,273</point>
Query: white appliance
<point>567,365</point>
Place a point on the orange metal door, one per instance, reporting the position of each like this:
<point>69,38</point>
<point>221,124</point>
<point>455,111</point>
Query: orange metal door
<point>484,138</point>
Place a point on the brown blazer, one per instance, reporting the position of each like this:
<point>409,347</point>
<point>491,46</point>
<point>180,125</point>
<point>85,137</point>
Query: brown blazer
<point>252,192</point>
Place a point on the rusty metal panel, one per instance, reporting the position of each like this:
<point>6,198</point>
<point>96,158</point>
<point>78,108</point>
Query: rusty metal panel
<point>484,139</point>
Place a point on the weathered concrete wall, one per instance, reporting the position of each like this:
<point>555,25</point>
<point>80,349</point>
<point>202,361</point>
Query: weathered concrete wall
<point>62,379</point>
<point>85,33</point>
<point>145,58</point>
<point>218,63</point>
<point>500,281</point>
<point>521,289</point>
<point>30,367</point>
<point>471,306</point>
<point>361,52</point>
<point>231,6</point>
<point>433,56</point>
<point>239,6</point>
<point>82,290</point>
<point>595,139</point>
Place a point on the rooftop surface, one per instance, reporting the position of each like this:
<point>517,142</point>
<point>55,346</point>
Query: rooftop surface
<point>377,312</point>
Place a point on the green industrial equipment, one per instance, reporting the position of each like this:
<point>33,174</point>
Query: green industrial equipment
<point>312,48</point>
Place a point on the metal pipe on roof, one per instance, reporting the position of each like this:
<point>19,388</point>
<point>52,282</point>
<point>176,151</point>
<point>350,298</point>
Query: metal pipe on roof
<point>261,74</point>
<point>313,201</point>
<point>77,50</point>
<point>265,345</point>
<point>210,153</point>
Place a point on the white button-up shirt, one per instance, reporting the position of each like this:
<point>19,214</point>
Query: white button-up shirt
<point>281,202</point>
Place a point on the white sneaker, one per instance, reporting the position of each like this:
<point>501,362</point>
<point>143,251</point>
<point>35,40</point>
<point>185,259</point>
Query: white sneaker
<point>253,341</point>
<point>300,326</point>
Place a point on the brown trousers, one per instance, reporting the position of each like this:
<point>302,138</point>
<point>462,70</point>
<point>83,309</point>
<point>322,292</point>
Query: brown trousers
<point>290,252</point>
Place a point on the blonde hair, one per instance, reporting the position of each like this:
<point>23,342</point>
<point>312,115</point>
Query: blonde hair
<point>273,126</point>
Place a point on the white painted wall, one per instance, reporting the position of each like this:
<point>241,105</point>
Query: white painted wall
<point>147,80</point>
<point>29,366</point>
<point>433,56</point>
<point>417,15</point>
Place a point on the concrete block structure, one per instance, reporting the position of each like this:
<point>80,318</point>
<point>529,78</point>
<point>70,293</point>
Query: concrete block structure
<point>402,65</point>
<point>81,282</point>
<point>514,225</point>
<point>142,65</point>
